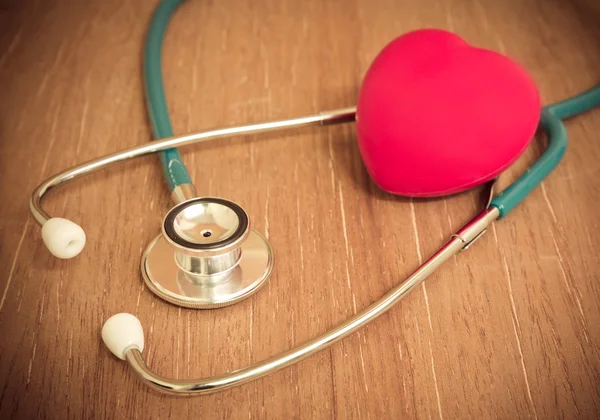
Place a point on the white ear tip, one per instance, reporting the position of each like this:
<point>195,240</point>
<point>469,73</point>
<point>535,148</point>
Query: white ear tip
<point>122,332</point>
<point>63,238</point>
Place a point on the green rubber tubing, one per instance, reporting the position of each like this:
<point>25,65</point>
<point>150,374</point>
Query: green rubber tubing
<point>176,173</point>
<point>551,122</point>
<point>174,170</point>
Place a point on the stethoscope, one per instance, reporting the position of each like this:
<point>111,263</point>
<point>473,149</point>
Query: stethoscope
<point>207,254</point>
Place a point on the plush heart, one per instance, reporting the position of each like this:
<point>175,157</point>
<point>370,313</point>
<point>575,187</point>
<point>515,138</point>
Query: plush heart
<point>437,116</point>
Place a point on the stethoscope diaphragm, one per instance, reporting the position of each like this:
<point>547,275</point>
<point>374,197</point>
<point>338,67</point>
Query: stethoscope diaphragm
<point>207,255</point>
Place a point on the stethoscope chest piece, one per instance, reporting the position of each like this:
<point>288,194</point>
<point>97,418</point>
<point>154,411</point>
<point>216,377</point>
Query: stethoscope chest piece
<point>207,255</point>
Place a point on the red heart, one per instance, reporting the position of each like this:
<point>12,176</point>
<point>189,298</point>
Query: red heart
<point>437,116</point>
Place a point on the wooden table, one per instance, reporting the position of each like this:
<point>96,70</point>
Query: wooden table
<point>506,330</point>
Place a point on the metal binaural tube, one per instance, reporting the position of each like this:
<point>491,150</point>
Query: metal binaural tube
<point>41,216</point>
<point>470,232</point>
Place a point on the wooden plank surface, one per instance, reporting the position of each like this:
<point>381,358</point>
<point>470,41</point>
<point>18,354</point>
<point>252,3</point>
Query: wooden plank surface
<point>507,330</point>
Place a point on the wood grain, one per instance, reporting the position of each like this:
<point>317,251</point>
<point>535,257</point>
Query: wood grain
<point>507,330</point>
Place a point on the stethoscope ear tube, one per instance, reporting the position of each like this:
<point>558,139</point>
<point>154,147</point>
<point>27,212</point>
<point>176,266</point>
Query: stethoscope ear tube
<point>64,234</point>
<point>459,241</point>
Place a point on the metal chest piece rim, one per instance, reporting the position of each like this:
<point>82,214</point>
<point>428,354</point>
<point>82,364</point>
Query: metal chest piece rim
<point>207,255</point>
